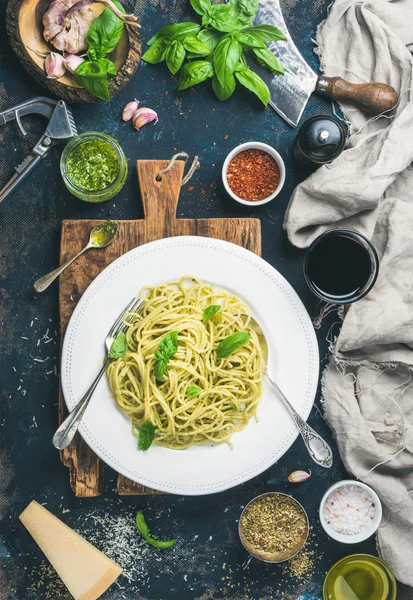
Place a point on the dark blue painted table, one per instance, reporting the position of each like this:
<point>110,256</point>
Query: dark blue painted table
<point>205,560</point>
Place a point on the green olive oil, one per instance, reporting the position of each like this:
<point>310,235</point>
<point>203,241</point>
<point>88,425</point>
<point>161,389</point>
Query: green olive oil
<point>360,577</point>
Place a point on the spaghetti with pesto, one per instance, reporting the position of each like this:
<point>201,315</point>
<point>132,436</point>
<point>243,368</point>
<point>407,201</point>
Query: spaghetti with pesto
<point>193,367</point>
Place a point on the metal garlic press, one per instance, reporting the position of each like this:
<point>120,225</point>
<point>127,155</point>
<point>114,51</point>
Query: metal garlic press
<point>61,129</point>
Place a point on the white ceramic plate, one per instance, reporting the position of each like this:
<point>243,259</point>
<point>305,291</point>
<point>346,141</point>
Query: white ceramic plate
<point>293,361</point>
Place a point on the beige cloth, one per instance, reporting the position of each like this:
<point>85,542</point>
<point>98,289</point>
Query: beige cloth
<point>368,386</point>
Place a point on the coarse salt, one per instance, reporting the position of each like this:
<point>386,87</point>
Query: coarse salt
<point>349,509</point>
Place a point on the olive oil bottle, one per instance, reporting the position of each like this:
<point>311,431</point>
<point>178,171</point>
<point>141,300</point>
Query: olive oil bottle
<point>360,577</point>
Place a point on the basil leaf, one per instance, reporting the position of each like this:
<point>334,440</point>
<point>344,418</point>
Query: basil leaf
<point>93,78</point>
<point>143,530</point>
<point>105,32</point>
<point>119,346</point>
<point>231,343</point>
<point>167,348</point>
<point>226,56</point>
<point>254,83</point>
<point>251,39</point>
<point>223,92</point>
<point>157,52</point>
<point>146,435</point>
<point>193,44</point>
<point>212,309</point>
<point>244,10</point>
<point>177,31</point>
<point>141,523</point>
<point>267,33</point>
<point>194,72</point>
<point>175,56</point>
<point>269,59</point>
<point>210,38</point>
<point>160,367</point>
<point>193,390</point>
<point>107,66</point>
<point>220,18</point>
<point>201,6</point>
<point>169,344</point>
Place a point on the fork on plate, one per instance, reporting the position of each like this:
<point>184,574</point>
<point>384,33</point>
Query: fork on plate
<point>66,432</point>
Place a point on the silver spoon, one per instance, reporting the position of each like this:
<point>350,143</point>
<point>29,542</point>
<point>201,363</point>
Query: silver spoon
<point>318,448</point>
<point>100,236</point>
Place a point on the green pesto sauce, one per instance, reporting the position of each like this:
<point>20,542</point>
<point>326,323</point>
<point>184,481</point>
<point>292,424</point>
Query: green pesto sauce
<point>92,165</point>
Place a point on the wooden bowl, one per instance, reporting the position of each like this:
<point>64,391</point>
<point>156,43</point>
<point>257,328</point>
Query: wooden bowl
<point>25,31</point>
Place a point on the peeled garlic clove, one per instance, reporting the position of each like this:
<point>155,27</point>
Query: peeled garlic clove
<point>72,61</point>
<point>129,110</point>
<point>143,116</point>
<point>54,65</point>
<point>298,476</point>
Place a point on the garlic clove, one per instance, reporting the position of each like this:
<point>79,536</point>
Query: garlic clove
<point>130,110</point>
<point>143,116</point>
<point>298,476</point>
<point>54,65</point>
<point>72,61</point>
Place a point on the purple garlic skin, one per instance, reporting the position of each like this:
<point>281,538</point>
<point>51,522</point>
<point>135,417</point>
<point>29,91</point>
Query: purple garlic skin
<point>143,116</point>
<point>67,22</point>
<point>130,110</point>
<point>72,61</point>
<point>54,66</point>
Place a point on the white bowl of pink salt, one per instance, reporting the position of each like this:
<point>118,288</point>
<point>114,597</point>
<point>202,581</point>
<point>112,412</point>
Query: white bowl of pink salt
<point>350,512</point>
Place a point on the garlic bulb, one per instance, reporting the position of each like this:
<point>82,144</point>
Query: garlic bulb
<point>72,61</point>
<point>67,22</point>
<point>143,116</point>
<point>54,65</point>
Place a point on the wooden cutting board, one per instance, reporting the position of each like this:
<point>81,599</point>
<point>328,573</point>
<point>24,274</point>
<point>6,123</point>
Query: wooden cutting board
<point>160,200</point>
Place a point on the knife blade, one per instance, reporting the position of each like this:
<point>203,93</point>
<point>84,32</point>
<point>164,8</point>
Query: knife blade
<point>290,92</point>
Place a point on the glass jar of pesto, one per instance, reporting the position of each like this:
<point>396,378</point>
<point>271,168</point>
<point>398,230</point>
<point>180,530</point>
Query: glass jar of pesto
<point>94,167</point>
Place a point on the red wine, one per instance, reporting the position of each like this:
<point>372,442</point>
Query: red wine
<point>341,266</point>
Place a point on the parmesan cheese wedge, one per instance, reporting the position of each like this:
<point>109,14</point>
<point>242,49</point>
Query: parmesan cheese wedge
<point>85,570</point>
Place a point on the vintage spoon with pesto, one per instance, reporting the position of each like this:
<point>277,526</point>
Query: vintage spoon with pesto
<point>100,237</point>
<point>318,448</point>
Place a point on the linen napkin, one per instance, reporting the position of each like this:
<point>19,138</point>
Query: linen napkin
<point>368,385</point>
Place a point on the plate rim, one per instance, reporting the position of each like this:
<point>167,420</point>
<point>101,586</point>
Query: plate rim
<point>311,386</point>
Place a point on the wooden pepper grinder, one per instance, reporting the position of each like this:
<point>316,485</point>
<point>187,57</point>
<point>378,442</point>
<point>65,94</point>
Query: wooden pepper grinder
<point>319,141</point>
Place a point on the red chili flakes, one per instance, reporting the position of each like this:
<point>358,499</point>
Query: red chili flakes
<point>226,137</point>
<point>253,175</point>
<point>191,188</point>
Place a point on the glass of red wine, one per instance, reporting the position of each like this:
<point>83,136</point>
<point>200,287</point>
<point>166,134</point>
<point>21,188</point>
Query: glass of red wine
<point>341,266</point>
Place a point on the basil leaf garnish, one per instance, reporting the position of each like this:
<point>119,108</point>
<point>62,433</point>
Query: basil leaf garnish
<point>210,311</point>
<point>210,38</point>
<point>92,75</point>
<point>146,435</point>
<point>254,83</point>
<point>175,56</point>
<point>244,10</point>
<point>201,6</point>
<point>193,390</point>
<point>269,60</point>
<point>143,530</point>
<point>194,72</point>
<point>251,39</point>
<point>223,92</point>
<point>119,346</point>
<point>226,57</point>
<point>231,343</point>
<point>167,348</point>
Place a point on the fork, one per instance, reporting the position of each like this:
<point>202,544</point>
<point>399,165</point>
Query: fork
<point>66,432</point>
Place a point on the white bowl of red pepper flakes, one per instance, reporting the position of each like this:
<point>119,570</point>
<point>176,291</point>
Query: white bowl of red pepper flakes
<point>253,174</point>
<point>350,512</point>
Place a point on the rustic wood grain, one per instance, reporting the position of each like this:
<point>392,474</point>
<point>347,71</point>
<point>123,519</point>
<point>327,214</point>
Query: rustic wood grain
<point>25,31</point>
<point>160,200</point>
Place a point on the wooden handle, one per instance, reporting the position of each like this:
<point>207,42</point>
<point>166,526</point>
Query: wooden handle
<point>160,195</point>
<point>375,98</point>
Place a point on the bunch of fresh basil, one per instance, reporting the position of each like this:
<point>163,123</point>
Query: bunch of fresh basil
<point>218,48</point>
<point>102,38</point>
